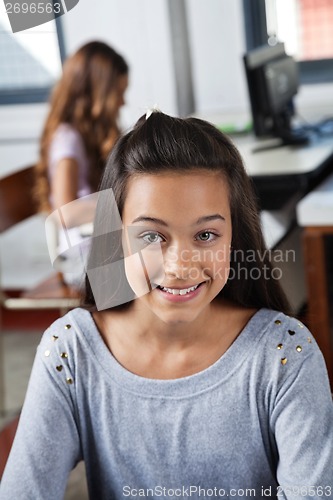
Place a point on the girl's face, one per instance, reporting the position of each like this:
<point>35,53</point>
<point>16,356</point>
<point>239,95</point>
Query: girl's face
<point>179,226</point>
<point>113,101</point>
<point>119,92</point>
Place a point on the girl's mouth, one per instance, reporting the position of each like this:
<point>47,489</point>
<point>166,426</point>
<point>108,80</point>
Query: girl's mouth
<point>178,291</point>
<point>180,294</point>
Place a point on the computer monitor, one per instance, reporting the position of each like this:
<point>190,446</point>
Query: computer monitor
<point>272,78</point>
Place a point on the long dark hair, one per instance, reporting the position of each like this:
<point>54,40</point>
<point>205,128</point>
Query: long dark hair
<point>162,143</point>
<point>86,97</point>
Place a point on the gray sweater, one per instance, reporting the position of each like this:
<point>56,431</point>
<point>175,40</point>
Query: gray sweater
<point>256,423</point>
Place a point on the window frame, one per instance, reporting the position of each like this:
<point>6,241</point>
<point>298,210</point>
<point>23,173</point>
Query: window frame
<point>34,95</point>
<point>311,72</point>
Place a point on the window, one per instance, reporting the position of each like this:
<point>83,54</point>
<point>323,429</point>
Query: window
<point>305,27</point>
<point>30,61</point>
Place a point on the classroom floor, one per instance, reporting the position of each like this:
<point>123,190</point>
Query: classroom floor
<point>19,351</point>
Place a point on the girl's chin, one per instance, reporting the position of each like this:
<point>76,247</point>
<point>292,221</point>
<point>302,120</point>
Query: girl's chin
<point>170,315</point>
<point>175,320</point>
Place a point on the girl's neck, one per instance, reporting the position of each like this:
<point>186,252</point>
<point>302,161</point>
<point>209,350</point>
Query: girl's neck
<point>150,348</point>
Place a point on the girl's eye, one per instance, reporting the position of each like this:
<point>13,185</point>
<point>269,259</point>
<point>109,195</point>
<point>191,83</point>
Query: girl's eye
<point>152,238</point>
<point>206,236</point>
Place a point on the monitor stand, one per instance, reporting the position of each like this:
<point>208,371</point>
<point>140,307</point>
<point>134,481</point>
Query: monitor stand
<point>285,135</point>
<point>292,137</point>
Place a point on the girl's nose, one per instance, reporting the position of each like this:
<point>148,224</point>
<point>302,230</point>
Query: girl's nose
<point>177,262</point>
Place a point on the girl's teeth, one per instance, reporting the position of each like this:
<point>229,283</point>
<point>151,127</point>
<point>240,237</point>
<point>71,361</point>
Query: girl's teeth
<point>176,291</point>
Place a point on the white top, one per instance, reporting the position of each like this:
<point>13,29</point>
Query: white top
<point>68,143</point>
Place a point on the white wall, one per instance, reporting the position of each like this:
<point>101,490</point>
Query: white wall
<point>139,30</point>
<point>217,44</point>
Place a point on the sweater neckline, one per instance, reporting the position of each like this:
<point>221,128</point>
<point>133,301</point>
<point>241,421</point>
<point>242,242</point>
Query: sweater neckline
<point>219,372</point>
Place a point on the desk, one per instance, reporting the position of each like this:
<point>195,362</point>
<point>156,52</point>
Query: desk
<point>288,172</point>
<point>315,214</point>
<point>285,160</point>
<point>280,173</point>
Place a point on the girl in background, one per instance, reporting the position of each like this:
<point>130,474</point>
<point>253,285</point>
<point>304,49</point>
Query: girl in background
<point>200,385</point>
<point>80,130</point>
<point>82,125</point>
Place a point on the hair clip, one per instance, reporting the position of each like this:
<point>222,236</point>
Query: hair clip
<point>152,110</point>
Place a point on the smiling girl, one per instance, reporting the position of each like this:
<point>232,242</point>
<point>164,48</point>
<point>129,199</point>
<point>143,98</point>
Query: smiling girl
<point>197,382</point>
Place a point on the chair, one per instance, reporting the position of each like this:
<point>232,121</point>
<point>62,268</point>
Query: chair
<point>16,205</point>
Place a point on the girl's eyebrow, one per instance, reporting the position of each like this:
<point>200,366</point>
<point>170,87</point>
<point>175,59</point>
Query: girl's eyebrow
<point>205,218</point>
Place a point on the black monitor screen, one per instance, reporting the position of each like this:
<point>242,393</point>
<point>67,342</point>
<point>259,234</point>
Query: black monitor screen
<point>272,78</point>
<point>281,78</point>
